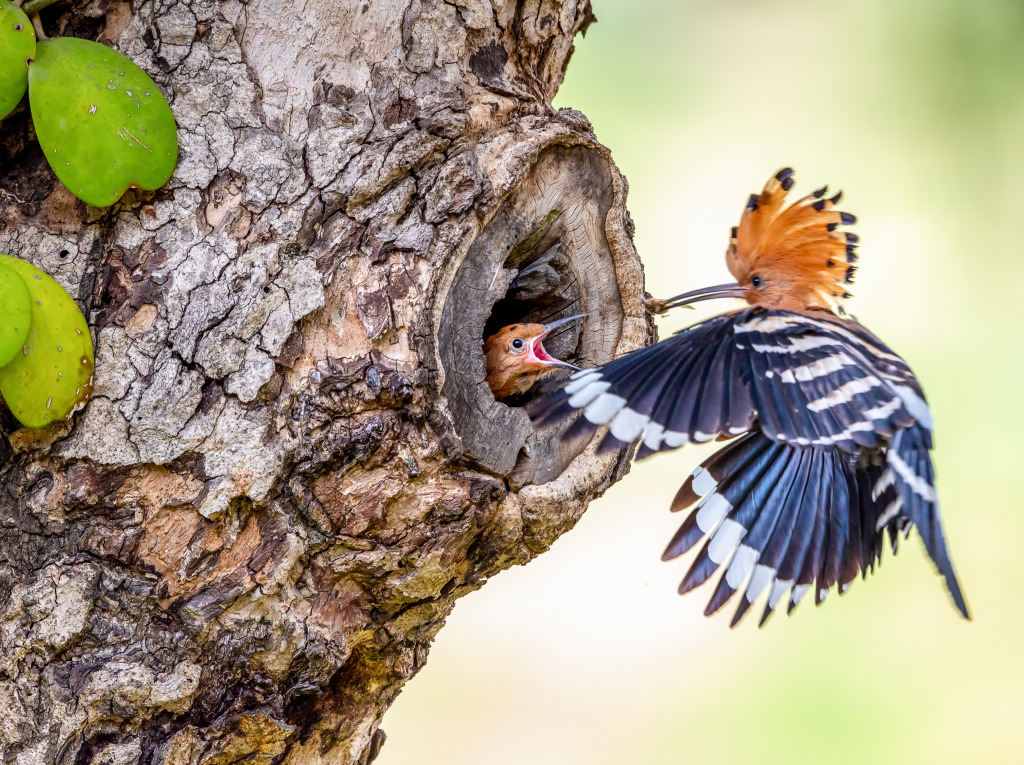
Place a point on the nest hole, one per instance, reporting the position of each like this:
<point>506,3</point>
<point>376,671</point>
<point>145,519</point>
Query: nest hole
<point>544,255</point>
<point>543,289</point>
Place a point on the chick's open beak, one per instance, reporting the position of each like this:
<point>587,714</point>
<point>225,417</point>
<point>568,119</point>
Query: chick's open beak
<point>538,355</point>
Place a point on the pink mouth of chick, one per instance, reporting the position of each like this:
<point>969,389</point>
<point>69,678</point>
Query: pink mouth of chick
<point>539,354</point>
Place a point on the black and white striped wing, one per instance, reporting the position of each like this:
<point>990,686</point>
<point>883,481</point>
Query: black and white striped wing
<point>787,519</point>
<point>825,382</point>
<point>840,454</point>
<point>909,469</point>
<point>780,519</point>
<point>848,389</point>
<point>687,388</point>
<point>810,380</point>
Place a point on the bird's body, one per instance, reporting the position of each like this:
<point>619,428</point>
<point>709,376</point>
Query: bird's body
<point>515,358</point>
<point>832,430</point>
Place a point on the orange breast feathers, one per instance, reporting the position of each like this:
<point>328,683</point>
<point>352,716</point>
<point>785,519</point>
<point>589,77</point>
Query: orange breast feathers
<point>792,257</point>
<point>516,358</point>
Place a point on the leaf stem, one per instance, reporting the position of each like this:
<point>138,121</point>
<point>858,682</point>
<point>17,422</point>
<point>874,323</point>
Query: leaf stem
<point>37,24</point>
<point>34,6</point>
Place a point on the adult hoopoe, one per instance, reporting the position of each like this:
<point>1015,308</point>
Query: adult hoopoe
<point>832,431</point>
<point>516,358</point>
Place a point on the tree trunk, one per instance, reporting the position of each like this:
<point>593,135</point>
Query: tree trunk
<point>291,467</point>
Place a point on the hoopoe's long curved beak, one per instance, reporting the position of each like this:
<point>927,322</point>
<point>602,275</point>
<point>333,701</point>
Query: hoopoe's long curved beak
<point>732,289</point>
<point>538,355</point>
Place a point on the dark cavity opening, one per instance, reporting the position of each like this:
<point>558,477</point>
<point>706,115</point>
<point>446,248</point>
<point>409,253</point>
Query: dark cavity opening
<point>542,256</point>
<point>543,288</point>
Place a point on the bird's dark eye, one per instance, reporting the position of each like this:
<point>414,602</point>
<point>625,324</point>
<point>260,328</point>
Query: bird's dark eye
<point>755,282</point>
<point>517,343</point>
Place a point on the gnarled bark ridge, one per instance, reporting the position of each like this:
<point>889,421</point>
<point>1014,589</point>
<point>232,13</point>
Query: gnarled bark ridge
<point>291,467</point>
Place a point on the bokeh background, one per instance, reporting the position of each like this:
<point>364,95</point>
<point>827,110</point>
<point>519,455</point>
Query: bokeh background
<point>916,109</point>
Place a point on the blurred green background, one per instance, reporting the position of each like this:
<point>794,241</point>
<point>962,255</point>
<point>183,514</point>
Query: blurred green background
<point>587,655</point>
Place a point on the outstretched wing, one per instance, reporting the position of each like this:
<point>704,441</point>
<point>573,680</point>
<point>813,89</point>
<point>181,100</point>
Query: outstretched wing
<point>840,453</point>
<point>688,387</point>
<point>785,519</point>
<point>810,379</point>
<point>777,518</point>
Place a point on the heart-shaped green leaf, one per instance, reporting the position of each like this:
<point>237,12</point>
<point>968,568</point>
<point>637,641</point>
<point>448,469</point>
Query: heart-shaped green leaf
<point>17,43</point>
<point>52,376</point>
<point>103,124</point>
<point>15,314</point>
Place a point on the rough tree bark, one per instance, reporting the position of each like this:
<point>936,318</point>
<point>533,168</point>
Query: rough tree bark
<point>291,468</point>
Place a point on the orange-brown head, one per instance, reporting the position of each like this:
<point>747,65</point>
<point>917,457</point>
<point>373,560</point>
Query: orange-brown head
<point>786,257</point>
<point>516,357</point>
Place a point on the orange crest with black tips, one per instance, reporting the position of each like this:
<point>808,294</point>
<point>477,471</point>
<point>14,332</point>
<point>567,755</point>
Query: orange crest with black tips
<point>793,257</point>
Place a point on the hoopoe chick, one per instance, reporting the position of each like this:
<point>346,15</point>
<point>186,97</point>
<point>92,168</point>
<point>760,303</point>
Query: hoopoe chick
<point>832,433</point>
<point>516,358</point>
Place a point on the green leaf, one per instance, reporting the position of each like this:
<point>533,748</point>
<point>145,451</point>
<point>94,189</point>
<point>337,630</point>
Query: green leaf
<point>52,376</point>
<point>103,124</point>
<point>15,314</point>
<point>17,43</point>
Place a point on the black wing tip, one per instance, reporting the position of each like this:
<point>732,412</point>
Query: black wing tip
<point>956,594</point>
<point>741,611</point>
<point>700,571</point>
<point>549,409</point>
<point>685,497</point>
<point>723,594</point>
<point>963,610</point>
<point>644,452</point>
<point>610,444</point>
<point>687,535</point>
<point>580,428</point>
<point>687,585</point>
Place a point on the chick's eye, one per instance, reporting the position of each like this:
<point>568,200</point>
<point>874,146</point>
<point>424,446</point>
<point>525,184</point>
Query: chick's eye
<point>755,282</point>
<point>517,343</point>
